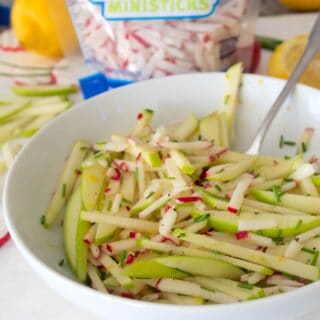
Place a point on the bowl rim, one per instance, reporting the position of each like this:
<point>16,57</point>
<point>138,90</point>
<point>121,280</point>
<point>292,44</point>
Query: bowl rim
<point>33,260</point>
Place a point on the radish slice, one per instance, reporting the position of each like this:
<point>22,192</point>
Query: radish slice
<point>4,234</point>
<point>281,280</point>
<point>293,249</point>
<point>305,170</point>
<point>239,193</point>
<point>305,140</point>
<point>167,222</point>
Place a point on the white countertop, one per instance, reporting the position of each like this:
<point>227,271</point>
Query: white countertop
<point>24,296</point>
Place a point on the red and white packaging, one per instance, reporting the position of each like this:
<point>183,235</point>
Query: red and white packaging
<point>140,39</point>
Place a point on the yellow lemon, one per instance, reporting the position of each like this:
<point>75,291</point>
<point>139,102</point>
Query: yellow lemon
<point>303,5</point>
<point>285,58</point>
<point>33,26</point>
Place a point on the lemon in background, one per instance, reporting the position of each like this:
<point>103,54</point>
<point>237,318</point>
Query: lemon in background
<point>303,5</point>
<point>34,27</point>
<point>285,58</point>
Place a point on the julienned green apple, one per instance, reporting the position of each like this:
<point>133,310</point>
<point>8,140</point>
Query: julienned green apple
<point>279,169</point>
<point>66,182</point>
<point>211,200</point>
<point>202,266</point>
<point>74,230</point>
<point>104,233</point>
<point>6,112</point>
<point>43,91</point>
<point>231,172</point>
<point>150,268</point>
<point>185,129</point>
<point>182,162</point>
<point>287,225</point>
<point>233,288</point>
<point>92,181</point>
<point>143,120</point>
<point>209,128</point>
<point>294,201</point>
<point>279,263</point>
<point>233,75</point>
<point>316,180</point>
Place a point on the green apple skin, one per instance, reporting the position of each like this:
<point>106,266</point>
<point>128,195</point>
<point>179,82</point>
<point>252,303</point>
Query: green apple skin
<point>92,180</point>
<point>74,230</point>
<point>45,91</point>
<point>149,269</point>
<point>294,201</point>
<point>202,266</point>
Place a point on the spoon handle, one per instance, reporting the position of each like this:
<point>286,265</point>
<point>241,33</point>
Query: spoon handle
<point>312,47</point>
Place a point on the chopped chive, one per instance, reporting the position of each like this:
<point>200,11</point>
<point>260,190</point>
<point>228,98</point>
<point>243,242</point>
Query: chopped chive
<point>43,220</point>
<point>281,142</point>
<point>226,98</point>
<point>298,224</point>
<point>289,143</point>
<point>149,110</point>
<point>217,187</point>
<point>245,286</point>
<point>278,240</point>
<point>256,213</point>
<point>286,157</point>
<point>150,195</point>
<point>64,190</point>
<point>277,193</point>
<point>101,142</point>
<point>315,258</point>
<point>84,148</point>
<point>61,263</point>
<point>126,201</point>
<point>303,147</point>
<point>307,250</point>
<point>287,180</point>
<point>98,154</point>
<point>179,233</point>
<point>123,257</point>
<point>202,217</point>
<point>221,170</point>
<point>166,176</point>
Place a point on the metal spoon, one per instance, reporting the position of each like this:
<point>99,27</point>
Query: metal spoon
<point>312,47</point>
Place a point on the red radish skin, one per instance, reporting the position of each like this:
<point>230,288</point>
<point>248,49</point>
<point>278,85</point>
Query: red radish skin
<point>158,283</point>
<point>127,208</point>
<point>167,208</point>
<point>139,116</point>
<point>169,239</point>
<point>106,190</point>
<point>109,247</point>
<point>242,235</point>
<point>133,235</point>
<point>116,174</point>
<point>189,199</point>
<point>127,295</point>
<point>138,157</point>
<point>233,210</point>
<point>4,239</point>
<point>87,241</point>
<point>130,258</point>
<point>207,233</point>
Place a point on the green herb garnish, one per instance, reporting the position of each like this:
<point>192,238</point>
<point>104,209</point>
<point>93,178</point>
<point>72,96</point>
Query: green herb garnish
<point>61,263</point>
<point>217,187</point>
<point>43,220</point>
<point>289,143</point>
<point>150,195</point>
<point>64,190</point>
<point>245,286</point>
<point>202,217</point>
<point>303,147</point>
<point>281,142</point>
<point>226,98</point>
<point>277,193</point>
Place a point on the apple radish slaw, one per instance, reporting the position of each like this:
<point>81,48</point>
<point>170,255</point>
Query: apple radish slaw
<point>172,215</point>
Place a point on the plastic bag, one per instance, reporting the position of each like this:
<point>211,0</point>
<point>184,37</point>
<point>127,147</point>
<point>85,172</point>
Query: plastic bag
<point>140,39</point>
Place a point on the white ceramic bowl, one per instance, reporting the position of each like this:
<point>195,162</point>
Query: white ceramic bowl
<point>33,177</point>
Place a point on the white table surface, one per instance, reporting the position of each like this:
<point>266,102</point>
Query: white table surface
<point>23,295</point>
